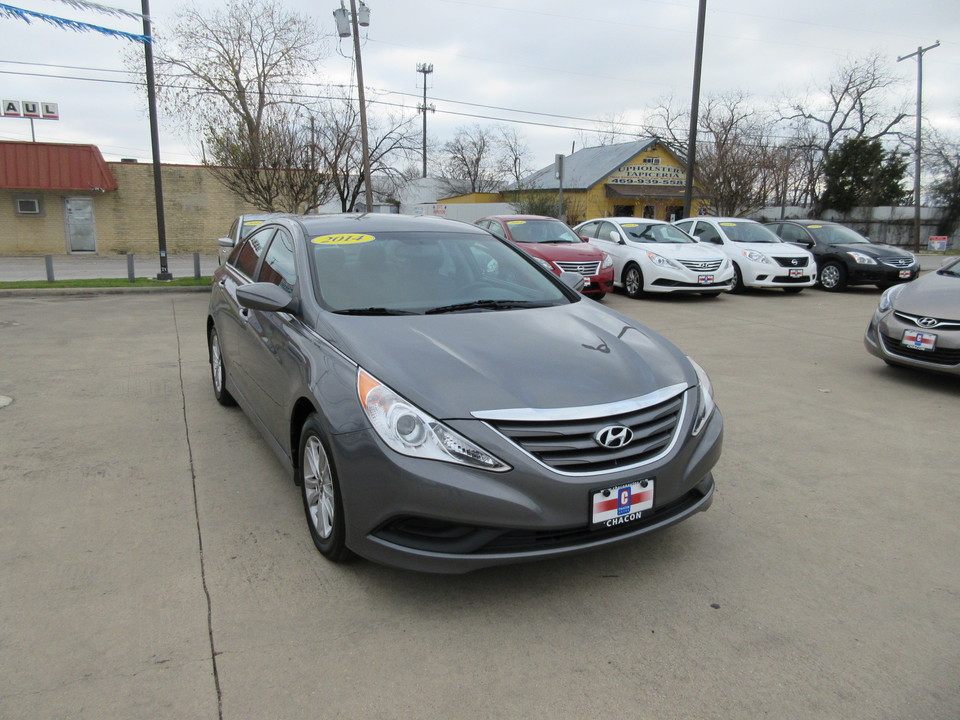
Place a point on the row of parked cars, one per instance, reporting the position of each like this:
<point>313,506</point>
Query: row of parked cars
<point>706,255</point>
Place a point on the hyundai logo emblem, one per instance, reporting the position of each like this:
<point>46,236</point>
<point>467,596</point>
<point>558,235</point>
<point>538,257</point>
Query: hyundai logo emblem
<point>927,322</point>
<point>613,436</point>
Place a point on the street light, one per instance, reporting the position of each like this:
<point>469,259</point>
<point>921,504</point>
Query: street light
<point>916,162</point>
<point>347,24</point>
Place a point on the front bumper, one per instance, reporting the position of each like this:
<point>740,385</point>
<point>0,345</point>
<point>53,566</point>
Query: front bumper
<point>880,274</point>
<point>767,275</point>
<point>883,340</point>
<point>439,517</point>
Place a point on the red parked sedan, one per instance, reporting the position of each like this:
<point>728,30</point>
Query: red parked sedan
<point>557,247</point>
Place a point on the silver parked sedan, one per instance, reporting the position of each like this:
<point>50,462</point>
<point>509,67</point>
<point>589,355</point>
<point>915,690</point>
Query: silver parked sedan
<point>446,404</point>
<point>918,324</point>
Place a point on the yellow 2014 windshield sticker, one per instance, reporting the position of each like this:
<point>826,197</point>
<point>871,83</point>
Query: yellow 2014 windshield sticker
<point>254,222</point>
<point>516,222</point>
<point>630,225</point>
<point>342,239</point>
<point>729,224</point>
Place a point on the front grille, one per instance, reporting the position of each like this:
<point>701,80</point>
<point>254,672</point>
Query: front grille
<point>569,446</point>
<point>792,261</point>
<point>701,265</point>
<point>936,357</point>
<point>939,324</point>
<point>900,262</point>
<point>584,268</point>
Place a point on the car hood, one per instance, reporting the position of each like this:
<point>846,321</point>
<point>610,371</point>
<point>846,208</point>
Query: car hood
<point>683,251</point>
<point>568,356</point>
<point>563,252</point>
<point>783,249</point>
<point>873,249</point>
<point>934,295</point>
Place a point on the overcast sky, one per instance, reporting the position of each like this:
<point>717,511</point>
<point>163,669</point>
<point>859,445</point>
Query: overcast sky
<point>545,67</point>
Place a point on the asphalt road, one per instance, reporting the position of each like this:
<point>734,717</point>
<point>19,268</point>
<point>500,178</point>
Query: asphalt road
<point>155,563</point>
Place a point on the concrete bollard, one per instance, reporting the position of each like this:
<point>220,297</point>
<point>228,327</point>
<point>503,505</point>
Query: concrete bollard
<point>196,265</point>
<point>48,260</point>
<point>130,274</point>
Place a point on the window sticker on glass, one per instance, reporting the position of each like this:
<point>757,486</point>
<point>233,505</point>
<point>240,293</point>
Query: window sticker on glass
<point>342,239</point>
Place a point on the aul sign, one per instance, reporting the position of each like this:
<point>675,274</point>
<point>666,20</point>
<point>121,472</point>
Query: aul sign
<point>31,109</point>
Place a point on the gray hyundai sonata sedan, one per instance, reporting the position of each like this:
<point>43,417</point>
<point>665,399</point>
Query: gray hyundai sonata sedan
<point>445,404</point>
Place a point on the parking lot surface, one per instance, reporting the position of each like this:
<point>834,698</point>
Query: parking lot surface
<point>155,561</point>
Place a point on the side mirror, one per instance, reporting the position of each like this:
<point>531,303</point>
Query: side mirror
<point>572,280</point>
<point>584,238</point>
<point>266,296</point>
<point>225,242</point>
<point>615,236</point>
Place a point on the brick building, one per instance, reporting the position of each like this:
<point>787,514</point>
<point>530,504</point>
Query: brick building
<point>59,199</point>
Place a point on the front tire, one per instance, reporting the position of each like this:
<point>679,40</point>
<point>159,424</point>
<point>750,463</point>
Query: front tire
<point>320,491</point>
<point>833,277</point>
<point>633,281</point>
<point>217,372</point>
<point>738,286</point>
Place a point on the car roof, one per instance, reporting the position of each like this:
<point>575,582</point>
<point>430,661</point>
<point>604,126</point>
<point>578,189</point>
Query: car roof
<point>806,221</point>
<point>718,218</point>
<point>626,219</point>
<point>519,217</point>
<point>382,222</point>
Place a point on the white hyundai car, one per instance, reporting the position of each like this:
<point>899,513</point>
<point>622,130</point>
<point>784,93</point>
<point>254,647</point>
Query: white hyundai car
<point>653,256</point>
<point>760,258</point>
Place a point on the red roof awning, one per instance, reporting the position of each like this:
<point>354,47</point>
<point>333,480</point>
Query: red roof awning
<point>52,166</point>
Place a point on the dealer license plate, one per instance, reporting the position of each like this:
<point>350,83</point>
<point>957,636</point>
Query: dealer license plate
<point>705,279</point>
<point>621,504</point>
<point>917,340</point>
<point>796,273</point>
<point>904,274</point>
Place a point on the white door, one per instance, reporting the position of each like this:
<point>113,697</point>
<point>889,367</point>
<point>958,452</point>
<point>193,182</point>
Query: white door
<point>80,231</point>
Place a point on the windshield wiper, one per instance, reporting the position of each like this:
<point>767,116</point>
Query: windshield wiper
<point>373,311</point>
<point>486,305</point>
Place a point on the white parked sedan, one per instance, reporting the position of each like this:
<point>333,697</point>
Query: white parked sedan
<point>760,258</point>
<point>653,256</point>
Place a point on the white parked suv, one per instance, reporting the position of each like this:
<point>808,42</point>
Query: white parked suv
<point>760,258</point>
<point>653,256</point>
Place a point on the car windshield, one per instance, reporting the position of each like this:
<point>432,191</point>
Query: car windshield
<point>655,233</point>
<point>837,234</point>
<point>748,232</point>
<point>950,268</point>
<point>541,231</point>
<point>400,273</point>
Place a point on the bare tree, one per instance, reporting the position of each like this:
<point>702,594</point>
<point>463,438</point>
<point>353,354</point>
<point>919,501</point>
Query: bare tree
<point>473,162</point>
<point>390,139</point>
<point>284,173</point>
<point>738,162</point>
<point>942,157</point>
<point>232,75</point>
<point>513,156</point>
<point>611,128</point>
<point>854,105</point>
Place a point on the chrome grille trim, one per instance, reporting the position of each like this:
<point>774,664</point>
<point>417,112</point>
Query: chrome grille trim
<point>942,324</point>
<point>584,268</point>
<point>565,443</point>
<point>584,412</point>
<point>897,261</point>
<point>701,265</point>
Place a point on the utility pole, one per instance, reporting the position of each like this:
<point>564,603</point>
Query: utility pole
<point>426,69</point>
<point>347,24</point>
<point>694,112</point>
<point>916,160</point>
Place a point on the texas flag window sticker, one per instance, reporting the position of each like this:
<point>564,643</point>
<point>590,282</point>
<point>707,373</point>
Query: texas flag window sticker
<point>622,504</point>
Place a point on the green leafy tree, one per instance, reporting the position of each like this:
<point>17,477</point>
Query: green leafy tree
<point>861,173</point>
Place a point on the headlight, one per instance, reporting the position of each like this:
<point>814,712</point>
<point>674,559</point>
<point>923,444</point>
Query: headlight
<point>757,257</point>
<point>410,431</point>
<point>705,403</point>
<point>861,258</point>
<point>659,260</point>
<point>889,295</point>
<point>607,261</point>
<point>544,264</point>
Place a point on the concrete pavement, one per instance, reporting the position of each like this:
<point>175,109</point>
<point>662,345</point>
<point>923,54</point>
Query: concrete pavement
<point>155,562</point>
